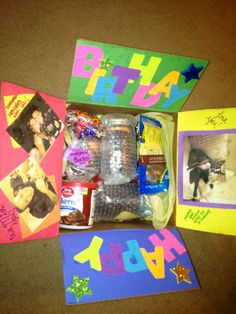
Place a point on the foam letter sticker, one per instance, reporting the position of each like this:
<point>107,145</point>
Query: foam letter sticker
<point>93,80</point>
<point>123,74</point>
<point>147,71</point>
<point>169,242</point>
<point>165,84</point>
<point>112,262</point>
<point>175,94</point>
<point>139,97</point>
<point>87,58</point>
<point>133,259</point>
<point>91,254</point>
<point>103,90</point>
<point>157,269</point>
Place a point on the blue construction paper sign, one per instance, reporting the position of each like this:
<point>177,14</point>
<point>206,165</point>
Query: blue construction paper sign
<point>112,264</point>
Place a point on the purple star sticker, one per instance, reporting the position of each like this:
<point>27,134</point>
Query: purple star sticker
<point>192,72</point>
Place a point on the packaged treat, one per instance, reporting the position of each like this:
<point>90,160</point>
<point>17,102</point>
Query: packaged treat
<point>82,124</point>
<point>82,160</point>
<point>152,170</point>
<point>77,205</point>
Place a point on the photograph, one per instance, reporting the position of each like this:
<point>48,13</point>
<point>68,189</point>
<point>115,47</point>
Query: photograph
<point>36,128</point>
<point>209,168</point>
<point>31,192</point>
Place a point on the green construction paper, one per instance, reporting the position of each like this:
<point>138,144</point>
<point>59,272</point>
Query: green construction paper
<point>112,56</point>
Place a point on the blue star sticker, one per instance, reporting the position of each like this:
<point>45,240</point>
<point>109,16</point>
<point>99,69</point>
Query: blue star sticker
<point>192,72</point>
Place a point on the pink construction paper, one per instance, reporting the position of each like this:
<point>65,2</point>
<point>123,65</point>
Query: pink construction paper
<point>11,158</point>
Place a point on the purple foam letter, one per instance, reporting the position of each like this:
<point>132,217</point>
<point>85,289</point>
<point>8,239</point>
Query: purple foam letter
<point>123,76</point>
<point>112,262</point>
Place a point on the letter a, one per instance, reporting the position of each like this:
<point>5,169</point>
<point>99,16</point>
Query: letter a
<point>157,269</point>
<point>164,86</point>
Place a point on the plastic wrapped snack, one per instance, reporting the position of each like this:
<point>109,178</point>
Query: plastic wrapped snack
<point>82,124</point>
<point>152,170</point>
<point>162,202</point>
<point>82,160</point>
<point>120,202</point>
<point>82,157</point>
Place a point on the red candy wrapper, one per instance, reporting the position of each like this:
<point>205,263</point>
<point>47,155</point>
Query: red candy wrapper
<point>83,124</point>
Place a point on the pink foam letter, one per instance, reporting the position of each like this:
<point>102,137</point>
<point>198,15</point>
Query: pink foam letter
<point>169,242</point>
<point>139,97</point>
<point>87,58</point>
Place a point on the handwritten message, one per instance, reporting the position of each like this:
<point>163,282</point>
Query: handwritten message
<point>197,216</point>
<point>216,120</point>
<point>8,219</point>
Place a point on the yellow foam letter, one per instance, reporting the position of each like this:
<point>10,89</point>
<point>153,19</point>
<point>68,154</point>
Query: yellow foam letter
<point>164,86</point>
<point>91,254</point>
<point>147,71</point>
<point>93,80</point>
<point>157,269</point>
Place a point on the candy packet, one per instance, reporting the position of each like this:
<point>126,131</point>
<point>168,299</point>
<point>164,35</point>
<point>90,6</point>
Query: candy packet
<point>82,156</point>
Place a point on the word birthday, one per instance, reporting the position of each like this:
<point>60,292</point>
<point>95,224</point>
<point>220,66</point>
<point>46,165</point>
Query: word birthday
<point>135,259</point>
<point>141,81</point>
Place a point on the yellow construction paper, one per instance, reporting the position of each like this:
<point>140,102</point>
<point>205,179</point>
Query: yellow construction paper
<point>213,208</point>
<point>14,105</point>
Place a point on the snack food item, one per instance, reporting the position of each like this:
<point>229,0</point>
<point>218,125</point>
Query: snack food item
<point>82,124</point>
<point>83,160</point>
<point>152,170</point>
<point>77,205</point>
<point>82,157</point>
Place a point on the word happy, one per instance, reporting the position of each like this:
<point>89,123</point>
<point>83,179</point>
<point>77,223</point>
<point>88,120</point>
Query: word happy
<point>135,259</point>
<point>89,63</point>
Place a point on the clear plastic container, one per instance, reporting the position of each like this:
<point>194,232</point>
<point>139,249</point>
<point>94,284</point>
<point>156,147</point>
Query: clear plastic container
<point>118,149</point>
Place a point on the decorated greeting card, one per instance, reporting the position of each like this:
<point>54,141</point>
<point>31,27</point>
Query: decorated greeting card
<point>112,264</point>
<point>31,128</point>
<point>206,198</point>
<point>105,74</point>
